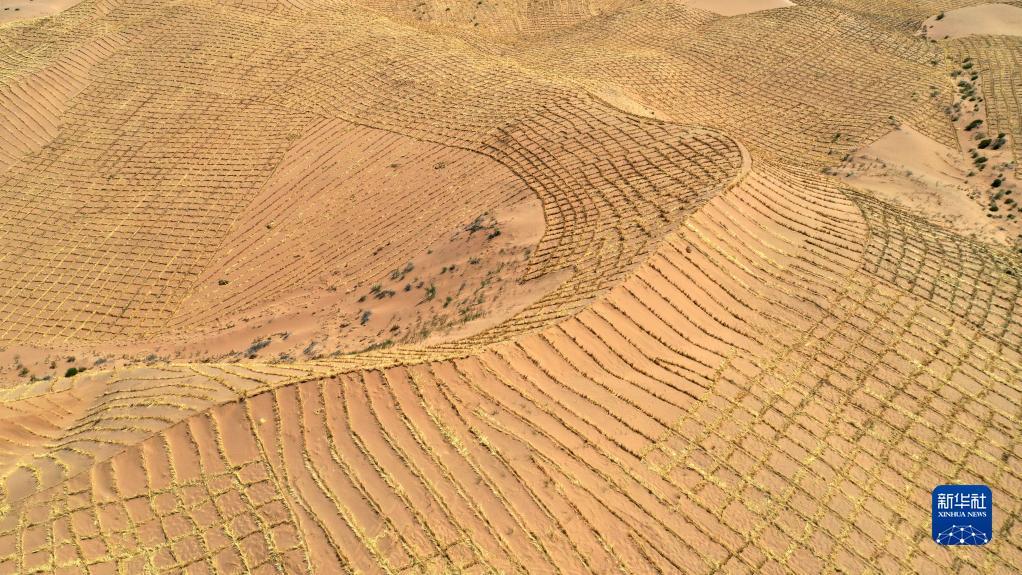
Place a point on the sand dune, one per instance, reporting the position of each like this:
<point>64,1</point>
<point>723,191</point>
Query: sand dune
<point>467,287</point>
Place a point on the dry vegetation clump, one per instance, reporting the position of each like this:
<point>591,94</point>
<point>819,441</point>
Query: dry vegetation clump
<point>478,287</point>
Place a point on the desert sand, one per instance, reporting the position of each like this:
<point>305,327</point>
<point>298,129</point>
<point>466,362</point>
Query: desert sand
<point>15,10</point>
<point>909,169</point>
<point>390,286</point>
<point>1000,19</point>
<point>736,7</point>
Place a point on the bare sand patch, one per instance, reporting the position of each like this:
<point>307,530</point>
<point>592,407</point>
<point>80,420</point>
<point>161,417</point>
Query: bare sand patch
<point>626,101</point>
<point>926,177</point>
<point>986,19</point>
<point>365,238</point>
<point>459,285</point>
<point>737,7</point>
<point>26,9</point>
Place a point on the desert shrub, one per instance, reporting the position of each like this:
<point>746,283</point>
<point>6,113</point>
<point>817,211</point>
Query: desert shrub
<point>257,345</point>
<point>378,345</point>
<point>476,225</point>
<point>399,274</point>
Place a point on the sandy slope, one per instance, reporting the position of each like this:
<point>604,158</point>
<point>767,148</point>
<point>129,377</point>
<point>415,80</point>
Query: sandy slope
<point>985,19</point>
<point>613,426</point>
<point>350,208</point>
<point>909,169</point>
